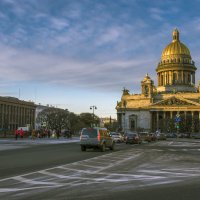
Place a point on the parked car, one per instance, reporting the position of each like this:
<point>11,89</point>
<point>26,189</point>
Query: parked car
<point>96,137</point>
<point>117,137</point>
<point>132,138</point>
<point>153,136</point>
<point>183,135</point>
<point>195,135</point>
<point>145,136</point>
<point>161,136</point>
<point>171,135</point>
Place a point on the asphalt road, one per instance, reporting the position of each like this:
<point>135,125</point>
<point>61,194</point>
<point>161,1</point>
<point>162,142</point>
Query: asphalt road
<point>163,170</point>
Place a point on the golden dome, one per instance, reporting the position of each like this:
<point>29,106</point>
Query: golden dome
<point>175,48</point>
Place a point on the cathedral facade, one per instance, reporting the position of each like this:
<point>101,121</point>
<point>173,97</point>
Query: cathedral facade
<point>171,106</point>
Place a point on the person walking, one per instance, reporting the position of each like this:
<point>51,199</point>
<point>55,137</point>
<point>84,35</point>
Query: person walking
<point>21,133</point>
<point>33,135</point>
<point>57,134</point>
<point>16,134</point>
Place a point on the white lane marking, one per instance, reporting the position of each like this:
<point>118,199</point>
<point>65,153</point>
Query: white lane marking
<point>170,143</point>
<point>180,174</point>
<point>25,180</point>
<point>98,174</point>
<point>112,176</point>
<point>3,190</point>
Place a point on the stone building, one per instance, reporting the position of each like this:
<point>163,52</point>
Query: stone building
<point>171,106</point>
<point>16,113</point>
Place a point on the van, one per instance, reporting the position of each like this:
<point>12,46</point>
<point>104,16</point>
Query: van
<point>96,137</point>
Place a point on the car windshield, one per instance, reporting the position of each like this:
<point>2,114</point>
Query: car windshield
<point>91,132</point>
<point>114,133</point>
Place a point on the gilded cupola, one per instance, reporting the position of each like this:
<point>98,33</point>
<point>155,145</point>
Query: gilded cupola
<point>176,49</point>
<point>176,69</point>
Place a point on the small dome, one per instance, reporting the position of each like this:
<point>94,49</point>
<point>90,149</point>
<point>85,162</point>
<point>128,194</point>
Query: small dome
<point>175,48</point>
<point>147,79</point>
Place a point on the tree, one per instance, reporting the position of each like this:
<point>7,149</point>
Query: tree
<point>54,118</point>
<point>89,119</point>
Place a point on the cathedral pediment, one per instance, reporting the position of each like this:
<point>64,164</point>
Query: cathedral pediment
<point>174,101</point>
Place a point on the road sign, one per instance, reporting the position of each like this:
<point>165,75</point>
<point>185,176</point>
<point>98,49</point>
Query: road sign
<point>178,118</point>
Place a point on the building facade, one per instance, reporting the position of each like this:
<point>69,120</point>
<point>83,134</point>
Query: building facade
<point>171,106</point>
<point>16,113</point>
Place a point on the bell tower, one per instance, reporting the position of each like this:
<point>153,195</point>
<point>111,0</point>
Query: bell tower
<point>147,86</point>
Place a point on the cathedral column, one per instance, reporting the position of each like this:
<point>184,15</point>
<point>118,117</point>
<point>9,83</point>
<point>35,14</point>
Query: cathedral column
<point>199,121</point>
<point>193,78</point>
<point>170,77</point>
<point>185,120</point>
<point>182,81</point>
<point>164,118</point>
<point>159,79</point>
<point>171,115</point>
<point>192,112</point>
<point>157,120</point>
<point>151,120</point>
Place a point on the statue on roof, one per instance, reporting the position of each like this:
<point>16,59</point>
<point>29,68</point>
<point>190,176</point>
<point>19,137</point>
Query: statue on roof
<point>125,91</point>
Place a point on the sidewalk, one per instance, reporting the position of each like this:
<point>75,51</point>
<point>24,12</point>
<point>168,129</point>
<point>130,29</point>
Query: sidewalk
<point>11,143</point>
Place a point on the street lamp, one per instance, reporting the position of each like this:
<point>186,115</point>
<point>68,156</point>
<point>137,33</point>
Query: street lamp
<point>93,108</point>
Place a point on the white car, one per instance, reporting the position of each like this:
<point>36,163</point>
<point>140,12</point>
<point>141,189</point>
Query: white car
<point>117,137</point>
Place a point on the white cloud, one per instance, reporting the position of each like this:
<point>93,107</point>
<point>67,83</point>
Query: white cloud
<point>22,65</point>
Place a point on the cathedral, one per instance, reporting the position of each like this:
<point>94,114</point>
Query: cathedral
<point>171,106</point>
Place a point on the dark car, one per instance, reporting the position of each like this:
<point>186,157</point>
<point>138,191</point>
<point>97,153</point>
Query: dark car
<point>171,135</point>
<point>132,138</point>
<point>153,136</point>
<point>161,136</point>
<point>195,135</point>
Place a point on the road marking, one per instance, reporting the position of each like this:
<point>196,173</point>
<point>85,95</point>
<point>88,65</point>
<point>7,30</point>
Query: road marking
<point>114,168</point>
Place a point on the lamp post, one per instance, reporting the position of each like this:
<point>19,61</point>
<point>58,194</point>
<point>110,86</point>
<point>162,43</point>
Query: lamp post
<point>93,108</point>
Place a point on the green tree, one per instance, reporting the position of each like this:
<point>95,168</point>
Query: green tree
<point>89,119</point>
<point>54,118</point>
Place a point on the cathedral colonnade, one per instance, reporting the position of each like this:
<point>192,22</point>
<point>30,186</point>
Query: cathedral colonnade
<point>175,121</point>
<point>175,77</point>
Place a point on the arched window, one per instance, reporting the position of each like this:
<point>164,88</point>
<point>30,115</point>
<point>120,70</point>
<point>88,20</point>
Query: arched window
<point>133,122</point>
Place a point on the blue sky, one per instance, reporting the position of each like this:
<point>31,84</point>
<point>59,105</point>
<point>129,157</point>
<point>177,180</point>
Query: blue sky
<point>78,53</point>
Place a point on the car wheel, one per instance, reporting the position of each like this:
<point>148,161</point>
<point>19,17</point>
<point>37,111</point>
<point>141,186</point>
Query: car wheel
<point>83,148</point>
<point>113,146</point>
<point>103,147</point>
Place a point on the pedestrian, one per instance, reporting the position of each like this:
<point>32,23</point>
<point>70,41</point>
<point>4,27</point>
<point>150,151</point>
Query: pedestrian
<point>21,133</point>
<point>48,133</point>
<point>16,134</point>
<point>33,134</point>
<point>57,134</point>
